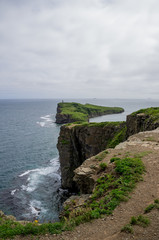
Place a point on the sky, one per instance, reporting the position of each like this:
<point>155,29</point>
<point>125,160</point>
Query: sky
<point>79,49</point>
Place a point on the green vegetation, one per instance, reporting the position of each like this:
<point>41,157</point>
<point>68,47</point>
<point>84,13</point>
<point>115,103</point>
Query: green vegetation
<point>64,141</point>
<point>101,155</point>
<point>113,159</point>
<point>142,154</point>
<point>103,166</point>
<point>140,221</point>
<point>119,137</point>
<point>82,112</point>
<point>100,124</point>
<point>127,228</point>
<point>120,131</point>
<point>111,188</point>
<point>152,206</point>
<point>10,228</point>
<point>153,113</point>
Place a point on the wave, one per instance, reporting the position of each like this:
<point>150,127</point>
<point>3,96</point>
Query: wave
<point>13,191</point>
<point>35,175</point>
<point>36,208</point>
<point>38,190</point>
<point>47,121</point>
<point>42,124</point>
<point>52,168</point>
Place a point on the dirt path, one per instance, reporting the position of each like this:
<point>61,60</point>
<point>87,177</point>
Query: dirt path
<point>109,228</point>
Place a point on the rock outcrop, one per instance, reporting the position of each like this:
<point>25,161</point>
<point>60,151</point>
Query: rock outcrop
<point>142,120</point>
<point>78,142</point>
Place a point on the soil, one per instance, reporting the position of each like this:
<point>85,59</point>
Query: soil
<point>146,191</point>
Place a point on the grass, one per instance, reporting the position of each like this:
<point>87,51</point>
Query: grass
<point>140,221</point>
<point>119,137</point>
<point>114,187</point>
<point>127,228</point>
<point>101,124</point>
<point>101,155</point>
<point>152,206</point>
<point>111,188</point>
<point>103,166</point>
<point>82,112</point>
<point>152,112</point>
<point>142,154</point>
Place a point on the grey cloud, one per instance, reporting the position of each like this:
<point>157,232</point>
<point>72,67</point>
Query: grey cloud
<point>95,48</point>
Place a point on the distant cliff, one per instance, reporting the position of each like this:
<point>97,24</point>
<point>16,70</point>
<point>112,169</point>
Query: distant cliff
<point>72,112</point>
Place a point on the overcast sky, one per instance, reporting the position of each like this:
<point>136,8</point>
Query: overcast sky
<point>79,48</point>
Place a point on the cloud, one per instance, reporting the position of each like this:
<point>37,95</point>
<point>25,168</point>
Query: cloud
<point>79,48</point>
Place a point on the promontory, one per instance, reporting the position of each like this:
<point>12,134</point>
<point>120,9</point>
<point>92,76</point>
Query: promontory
<point>68,112</point>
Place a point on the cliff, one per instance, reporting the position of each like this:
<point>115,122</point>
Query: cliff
<point>142,120</point>
<point>73,112</point>
<point>77,142</point>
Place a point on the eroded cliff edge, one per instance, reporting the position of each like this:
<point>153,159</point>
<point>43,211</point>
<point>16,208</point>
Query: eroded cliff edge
<point>78,142</point>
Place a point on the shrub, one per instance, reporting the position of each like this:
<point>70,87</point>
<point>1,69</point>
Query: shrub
<point>149,208</point>
<point>113,159</point>
<point>103,166</point>
<point>143,221</point>
<point>127,228</point>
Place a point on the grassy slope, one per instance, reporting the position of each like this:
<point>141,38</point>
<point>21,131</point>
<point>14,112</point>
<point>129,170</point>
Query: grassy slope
<point>80,112</point>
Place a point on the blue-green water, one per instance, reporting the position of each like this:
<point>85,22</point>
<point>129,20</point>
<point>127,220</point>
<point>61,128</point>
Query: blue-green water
<point>29,164</point>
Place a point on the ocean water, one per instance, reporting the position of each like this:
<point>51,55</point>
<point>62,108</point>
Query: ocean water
<point>29,165</point>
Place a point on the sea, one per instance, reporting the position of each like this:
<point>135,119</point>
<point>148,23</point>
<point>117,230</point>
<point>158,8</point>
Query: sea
<point>30,180</point>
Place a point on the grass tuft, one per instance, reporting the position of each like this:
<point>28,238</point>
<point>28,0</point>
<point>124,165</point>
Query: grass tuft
<point>127,228</point>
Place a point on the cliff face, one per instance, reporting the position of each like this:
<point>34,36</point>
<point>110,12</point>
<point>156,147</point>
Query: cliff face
<point>139,123</point>
<point>77,143</point>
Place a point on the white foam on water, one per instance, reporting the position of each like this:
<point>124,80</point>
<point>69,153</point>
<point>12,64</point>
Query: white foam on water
<point>27,172</point>
<point>32,183</point>
<point>46,121</point>
<point>42,124</point>
<point>34,175</point>
<point>13,191</point>
<point>46,117</point>
<point>28,188</point>
<point>35,207</point>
